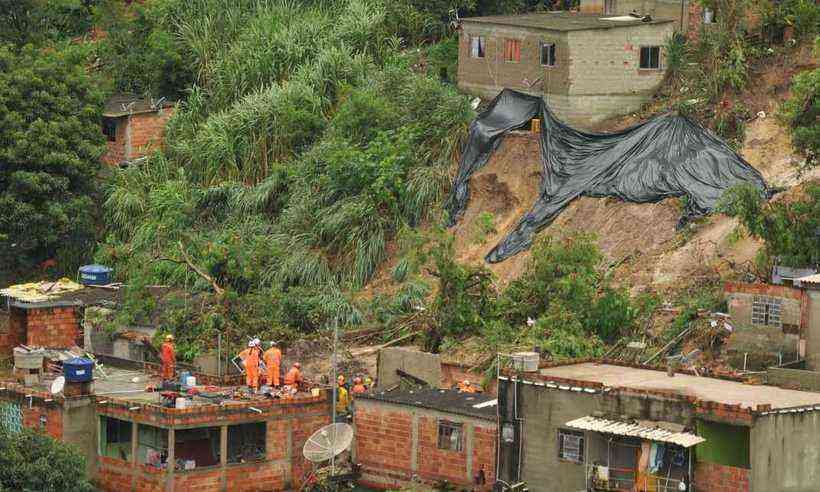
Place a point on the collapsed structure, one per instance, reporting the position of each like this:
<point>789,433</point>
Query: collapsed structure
<point>666,156</point>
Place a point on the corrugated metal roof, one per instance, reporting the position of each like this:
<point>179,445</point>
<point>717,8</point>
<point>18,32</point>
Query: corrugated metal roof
<point>633,429</point>
<point>811,279</point>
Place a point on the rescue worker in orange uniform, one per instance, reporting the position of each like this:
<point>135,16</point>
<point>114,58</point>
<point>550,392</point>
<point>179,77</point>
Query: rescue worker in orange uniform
<point>467,387</point>
<point>358,386</point>
<point>273,358</point>
<point>252,366</point>
<point>168,356</point>
<point>294,376</point>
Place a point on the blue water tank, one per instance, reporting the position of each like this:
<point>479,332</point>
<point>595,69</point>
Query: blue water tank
<point>78,370</point>
<point>95,275</point>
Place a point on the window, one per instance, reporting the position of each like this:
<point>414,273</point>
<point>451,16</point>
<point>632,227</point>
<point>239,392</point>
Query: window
<point>246,442</point>
<point>152,445</point>
<point>109,129</point>
<point>766,311</point>
<point>449,435</point>
<point>477,46</point>
<point>571,446</point>
<point>609,7</point>
<point>650,57</point>
<point>195,448</point>
<point>512,50</point>
<point>115,438</point>
<point>548,54</point>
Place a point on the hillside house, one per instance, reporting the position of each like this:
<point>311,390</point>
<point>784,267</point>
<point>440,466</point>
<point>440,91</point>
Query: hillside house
<point>586,67</point>
<point>134,441</point>
<point>133,126</point>
<point>600,426</point>
<point>426,436</point>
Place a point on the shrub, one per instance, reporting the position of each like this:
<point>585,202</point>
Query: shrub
<point>801,112</point>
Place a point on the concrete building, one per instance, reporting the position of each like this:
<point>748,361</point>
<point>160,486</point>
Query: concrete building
<point>426,437</point>
<point>679,10</point>
<point>586,67</point>
<point>601,426</point>
<point>134,126</point>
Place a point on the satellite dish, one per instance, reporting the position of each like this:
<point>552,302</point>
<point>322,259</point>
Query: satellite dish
<point>327,442</point>
<point>58,385</point>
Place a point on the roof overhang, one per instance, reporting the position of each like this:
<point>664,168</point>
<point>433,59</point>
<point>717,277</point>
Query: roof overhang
<point>643,430</point>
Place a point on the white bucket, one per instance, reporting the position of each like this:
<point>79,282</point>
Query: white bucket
<point>190,381</point>
<point>182,403</point>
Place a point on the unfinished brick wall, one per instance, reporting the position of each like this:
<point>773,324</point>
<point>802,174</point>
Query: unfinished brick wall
<point>52,327</point>
<point>147,131</point>
<point>289,424</point>
<point>720,478</point>
<point>384,443</point>
<point>399,444</point>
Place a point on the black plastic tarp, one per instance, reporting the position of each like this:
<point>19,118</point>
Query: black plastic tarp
<point>666,156</point>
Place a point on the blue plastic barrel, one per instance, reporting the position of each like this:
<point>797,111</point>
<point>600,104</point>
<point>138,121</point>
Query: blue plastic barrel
<point>78,370</point>
<point>95,275</point>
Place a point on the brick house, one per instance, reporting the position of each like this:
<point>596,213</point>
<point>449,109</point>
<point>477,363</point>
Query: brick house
<point>587,67</point>
<point>592,425</point>
<point>53,321</point>
<point>133,127</point>
<point>425,436</point>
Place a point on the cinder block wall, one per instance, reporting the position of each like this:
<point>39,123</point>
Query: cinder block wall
<point>489,75</point>
<point>394,443</point>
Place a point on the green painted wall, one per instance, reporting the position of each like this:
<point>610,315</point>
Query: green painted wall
<point>725,444</point>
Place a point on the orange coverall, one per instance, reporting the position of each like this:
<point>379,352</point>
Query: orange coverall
<point>252,369</point>
<point>272,358</point>
<point>169,360</point>
<point>294,376</point>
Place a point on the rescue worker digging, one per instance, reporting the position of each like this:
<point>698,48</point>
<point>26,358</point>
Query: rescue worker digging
<point>169,359</point>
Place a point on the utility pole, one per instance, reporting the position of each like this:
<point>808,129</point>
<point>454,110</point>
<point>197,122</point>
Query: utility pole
<point>334,387</point>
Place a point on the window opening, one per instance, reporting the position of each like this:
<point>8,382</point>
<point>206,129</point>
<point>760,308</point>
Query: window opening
<point>196,448</point>
<point>152,445</point>
<point>115,438</point>
<point>512,50</point>
<point>449,435</point>
<point>571,446</point>
<point>650,57</point>
<point>766,311</point>
<point>246,442</point>
<point>477,45</point>
<point>109,129</point>
<point>548,54</point>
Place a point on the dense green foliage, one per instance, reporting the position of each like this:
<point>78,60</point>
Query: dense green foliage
<point>562,305</point>
<point>305,145</point>
<point>49,157</point>
<point>31,461</point>
<point>802,113</point>
<point>37,22</point>
<point>789,227</point>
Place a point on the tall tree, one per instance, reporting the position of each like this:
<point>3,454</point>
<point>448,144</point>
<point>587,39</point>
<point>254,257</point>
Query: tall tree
<point>33,461</point>
<point>50,145</point>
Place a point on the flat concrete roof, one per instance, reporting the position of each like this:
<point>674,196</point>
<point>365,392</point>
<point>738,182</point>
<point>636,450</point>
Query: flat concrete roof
<point>443,400</point>
<point>562,21</point>
<point>705,388</point>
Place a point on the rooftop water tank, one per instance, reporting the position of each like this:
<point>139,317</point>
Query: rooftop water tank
<point>95,275</point>
<point>78,370</point>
